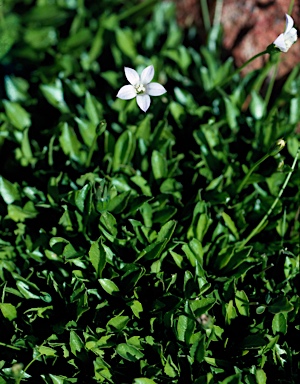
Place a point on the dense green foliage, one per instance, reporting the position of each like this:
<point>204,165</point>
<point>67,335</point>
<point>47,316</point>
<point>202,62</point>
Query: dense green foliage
<point>128,252</point>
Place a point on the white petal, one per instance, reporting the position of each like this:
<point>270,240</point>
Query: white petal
<point>143,102</point>
<point>132,76</point>
<point>155,89</point>
<point>127,92</point>
<point>289,23</point>
<point>290,38</point>
<point>147,75</point>
<point>280,43</point>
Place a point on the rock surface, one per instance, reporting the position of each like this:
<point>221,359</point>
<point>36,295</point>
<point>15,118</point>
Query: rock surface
<point>249,27</point>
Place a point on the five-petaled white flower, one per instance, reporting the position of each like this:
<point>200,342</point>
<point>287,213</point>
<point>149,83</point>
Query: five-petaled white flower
<point>140,87</point>
<point>285,40</point>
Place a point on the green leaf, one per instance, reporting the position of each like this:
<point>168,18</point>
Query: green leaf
<point>119,203</point>
<point>142,183</point>
<point>17,115</point>
<point>254,341</point>
<point>109,286</point>
<point>257,105</point>
<point>9,311</point>
<point>281,304</point>
<point>136,308</point>
<point>16,88</point>
<point>199,307</point>
<point>230,312</point>
<point>194,252</point>
<point>261,377</point>
<point>124,150</point>
<point>109,222</point>
<point>197,350</point>
<point>41,38</point>
<point>55,95</point>
<point>80,38</point>
<point>87,130</point>
<point>234,379</point>
<point>159,165</point>
<point>185,328</point>
<point>9,31</point>
<point>152,251</point>
<point>124,38</point>
<point>17,213</point>
<point>8,191</point>
<point>230,224</point>
<point>242,303</point>
<point>117,323</point>
<point>76,343</point>
<point>232,112</point>
<point>166,231</point>
<point>93,109</point>
<point>57,379</point>
<point>143,380</point>
<point>97,257</point>
<point>279,323</point>
<point>69,142</point>
<point>47,351</point>
<point>169,370</point>
<point>261,309</point>
<point>129,352</point>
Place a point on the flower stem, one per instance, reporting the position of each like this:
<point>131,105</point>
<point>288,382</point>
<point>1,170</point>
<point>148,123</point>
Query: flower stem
<point>222,83</point>
<point>205,15</point>
<point>137,8</point>
<point>291,7</point>
<point>10,346</point>
<point>271,84</point>
<point>18,381</point>
<point>263,222</point>
<point>245,179</point>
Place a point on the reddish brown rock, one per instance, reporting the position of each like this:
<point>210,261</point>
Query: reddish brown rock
<point>249,27</point>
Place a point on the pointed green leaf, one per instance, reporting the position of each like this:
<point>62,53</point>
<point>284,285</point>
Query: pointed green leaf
<point>17,115</point>
<point>109,286</point>
<point>242,303</point>
<point>9,311</point>
<point>97,257</point>
<point>8,191</point>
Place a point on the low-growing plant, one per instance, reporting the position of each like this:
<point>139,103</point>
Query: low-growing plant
<point>157,247</point>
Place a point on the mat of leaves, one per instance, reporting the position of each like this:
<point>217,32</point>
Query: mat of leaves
<point>122,253</point>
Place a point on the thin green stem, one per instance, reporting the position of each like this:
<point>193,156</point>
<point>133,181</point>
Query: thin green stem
<point>18,381</point>
<point>205,15</point>
<point>240,68</point>
<point>3,293</point>
<point>10,346</point>
<point>271,85</point>
<point>91,151</point>
<point>218,13</point>
<point>99,130</point>
<point>291,6</point>
<point>263,222</point>
<point>137,8</point>
<point>283,226</point>
<point>245,179</point>
<point>262,77</point>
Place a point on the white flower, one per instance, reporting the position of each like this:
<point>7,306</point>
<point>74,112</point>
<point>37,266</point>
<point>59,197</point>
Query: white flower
<point>141,87</point>
<point>285,40</point>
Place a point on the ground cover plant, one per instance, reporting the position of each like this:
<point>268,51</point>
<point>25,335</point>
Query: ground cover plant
<point>157,247</point>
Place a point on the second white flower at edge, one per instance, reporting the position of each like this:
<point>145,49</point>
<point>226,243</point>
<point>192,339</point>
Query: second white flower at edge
<point>286,39</point>
<point>140,87</point>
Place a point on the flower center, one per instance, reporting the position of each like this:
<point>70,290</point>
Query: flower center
<point>140,89</point>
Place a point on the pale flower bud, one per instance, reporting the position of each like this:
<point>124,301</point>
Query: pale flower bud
<point>277,147</point>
